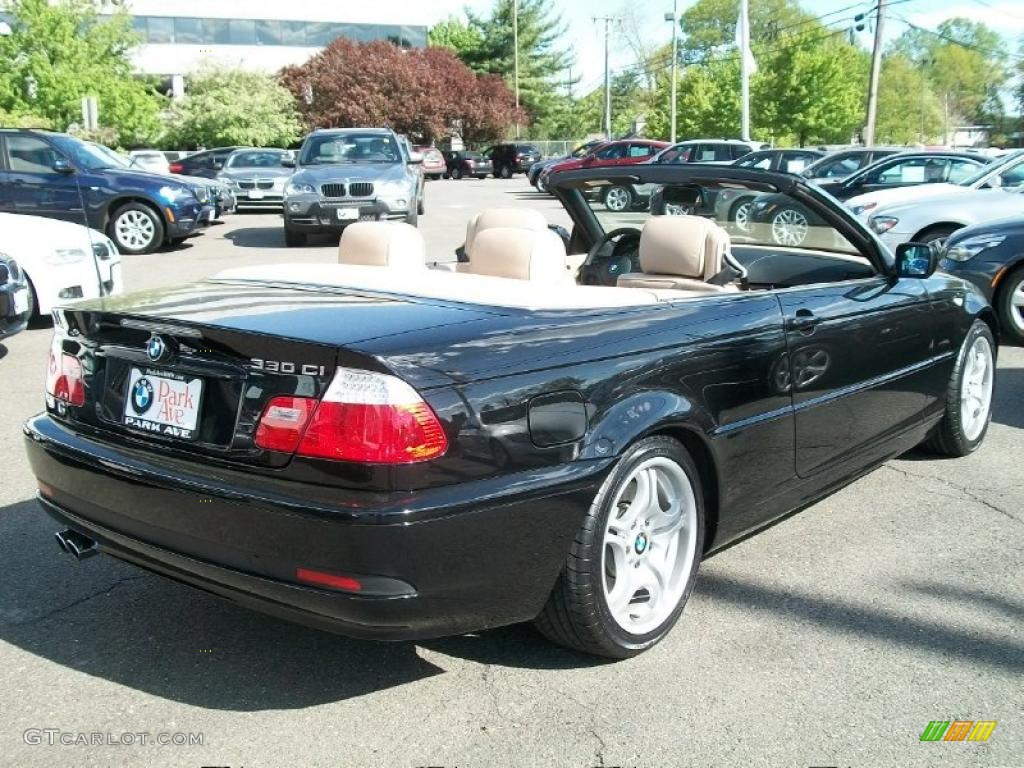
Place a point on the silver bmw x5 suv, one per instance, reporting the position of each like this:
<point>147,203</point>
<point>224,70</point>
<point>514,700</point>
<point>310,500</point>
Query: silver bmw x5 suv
<point>349,174</point>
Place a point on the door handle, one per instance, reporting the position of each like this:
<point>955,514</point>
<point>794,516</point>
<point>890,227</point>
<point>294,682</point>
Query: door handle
<point>804,321</point>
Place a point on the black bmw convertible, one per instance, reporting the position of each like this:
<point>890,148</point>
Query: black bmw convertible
<point>556,429</point>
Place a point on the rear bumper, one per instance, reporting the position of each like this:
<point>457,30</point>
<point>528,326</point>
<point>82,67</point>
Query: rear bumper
<point>474,555</point>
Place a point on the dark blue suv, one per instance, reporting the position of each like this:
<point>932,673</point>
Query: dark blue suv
<point>59,176</point>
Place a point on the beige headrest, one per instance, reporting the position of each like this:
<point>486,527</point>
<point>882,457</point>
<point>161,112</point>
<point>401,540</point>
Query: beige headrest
<point>687,246</point>
<point>383,244</point>
<point>519,254</point>
<point>518,218</point>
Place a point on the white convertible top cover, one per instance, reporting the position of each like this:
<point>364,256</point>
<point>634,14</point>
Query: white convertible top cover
<point>451,286</point>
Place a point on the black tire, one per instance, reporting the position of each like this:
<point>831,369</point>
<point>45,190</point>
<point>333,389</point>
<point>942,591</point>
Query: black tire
<point>412,217</point>
<point>576,614</point>
<point>135,209</point>
<point>294,239</point>
<point>421,206</point>
<point>503,171</point>
<point>447,175</point>
<point>1011,330</point>
<point>542,185</point>
<point>935,234</point>
<point>949,439</point>
<point>33,300</point>
<point>456,173</point>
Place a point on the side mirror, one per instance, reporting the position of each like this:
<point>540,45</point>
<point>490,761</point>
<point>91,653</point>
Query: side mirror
<point>63,165</point>
<point>916,260</point>
<point>288,162</point>
<point>415,158</point>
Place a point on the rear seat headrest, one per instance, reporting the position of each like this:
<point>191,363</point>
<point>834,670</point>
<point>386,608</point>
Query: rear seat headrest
<point>687,246</point>
<point>519,254</point>
<point>518,218</point>
<point>383,244</point>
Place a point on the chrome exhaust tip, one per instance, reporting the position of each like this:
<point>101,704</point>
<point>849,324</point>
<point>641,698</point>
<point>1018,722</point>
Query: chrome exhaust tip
<point>76,544</point>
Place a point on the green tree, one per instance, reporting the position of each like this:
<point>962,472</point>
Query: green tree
<point>542,63</point>
<point>58,53</point>
<point>965,62</point>
<point>456,36</point>
<point>908,110</point>
<point>811,90</point>
<point>233,106</point>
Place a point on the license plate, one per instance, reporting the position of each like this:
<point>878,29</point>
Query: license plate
<point>162,403</point>
<point>348,214</point>
<point>255,194</point>
<point>21,301</point>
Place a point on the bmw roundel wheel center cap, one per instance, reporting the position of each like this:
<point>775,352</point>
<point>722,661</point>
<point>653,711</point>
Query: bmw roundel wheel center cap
<point>640,543</point>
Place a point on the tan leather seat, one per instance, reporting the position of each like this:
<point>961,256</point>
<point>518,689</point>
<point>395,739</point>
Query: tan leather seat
<point>517,218</point>
<point>680,252</point>
<point>383,244</point>
<point>520,254</point>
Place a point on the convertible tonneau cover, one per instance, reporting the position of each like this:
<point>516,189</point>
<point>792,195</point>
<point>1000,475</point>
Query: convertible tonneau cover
<point>463,288</point>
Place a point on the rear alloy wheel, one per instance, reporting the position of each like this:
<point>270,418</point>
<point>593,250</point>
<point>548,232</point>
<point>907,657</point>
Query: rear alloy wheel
<point>740,216</point>
<point>634,560</point>
<point>136,228</point>
<point>968,396</point>
<point>456,173</point>
<point>504,171</point>
<point>789,227</point>
<point>618,198</point>
<point>1010,306</point>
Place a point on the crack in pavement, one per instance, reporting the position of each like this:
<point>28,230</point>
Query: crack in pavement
<point>958,488</point>
<point>74,603</point>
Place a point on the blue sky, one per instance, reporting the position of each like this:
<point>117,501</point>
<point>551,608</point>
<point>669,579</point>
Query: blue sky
<point>586,39</point>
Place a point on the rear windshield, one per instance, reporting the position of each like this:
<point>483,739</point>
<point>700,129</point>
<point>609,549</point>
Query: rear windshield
<point>255,160</point>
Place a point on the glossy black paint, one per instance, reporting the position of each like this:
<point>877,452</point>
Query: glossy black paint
<point>780,395</point>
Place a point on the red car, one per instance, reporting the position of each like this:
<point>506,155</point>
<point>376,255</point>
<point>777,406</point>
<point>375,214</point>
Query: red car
<point>434,165</point>
<point>613,153</point>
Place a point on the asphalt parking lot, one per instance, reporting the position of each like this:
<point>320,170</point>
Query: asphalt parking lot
<point>831,639</point>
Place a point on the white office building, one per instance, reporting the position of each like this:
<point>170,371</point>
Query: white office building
<point>178,36</point>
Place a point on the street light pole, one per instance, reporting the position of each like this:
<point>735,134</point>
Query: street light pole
<point>674,18</point>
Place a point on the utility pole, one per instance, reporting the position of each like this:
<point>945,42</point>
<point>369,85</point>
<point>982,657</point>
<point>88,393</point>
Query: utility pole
<point>515,55</point>
<point>876,66</point>
<point>745,72</point>
<point>674,18</point>
<point>607,76</point>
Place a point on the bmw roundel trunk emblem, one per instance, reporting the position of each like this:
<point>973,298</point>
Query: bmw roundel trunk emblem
<point>156,349</point>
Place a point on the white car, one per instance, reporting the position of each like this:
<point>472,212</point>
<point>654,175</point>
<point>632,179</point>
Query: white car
<point>152,160</point>
<point>1004,173</point>
<point>62,260</point>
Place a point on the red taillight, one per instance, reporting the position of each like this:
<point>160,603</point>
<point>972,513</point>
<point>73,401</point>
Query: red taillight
<point>64,378</point>
<point>283,422</point>
<point>176,168</point>
<point>332,580</point>
<point>363,417</point>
